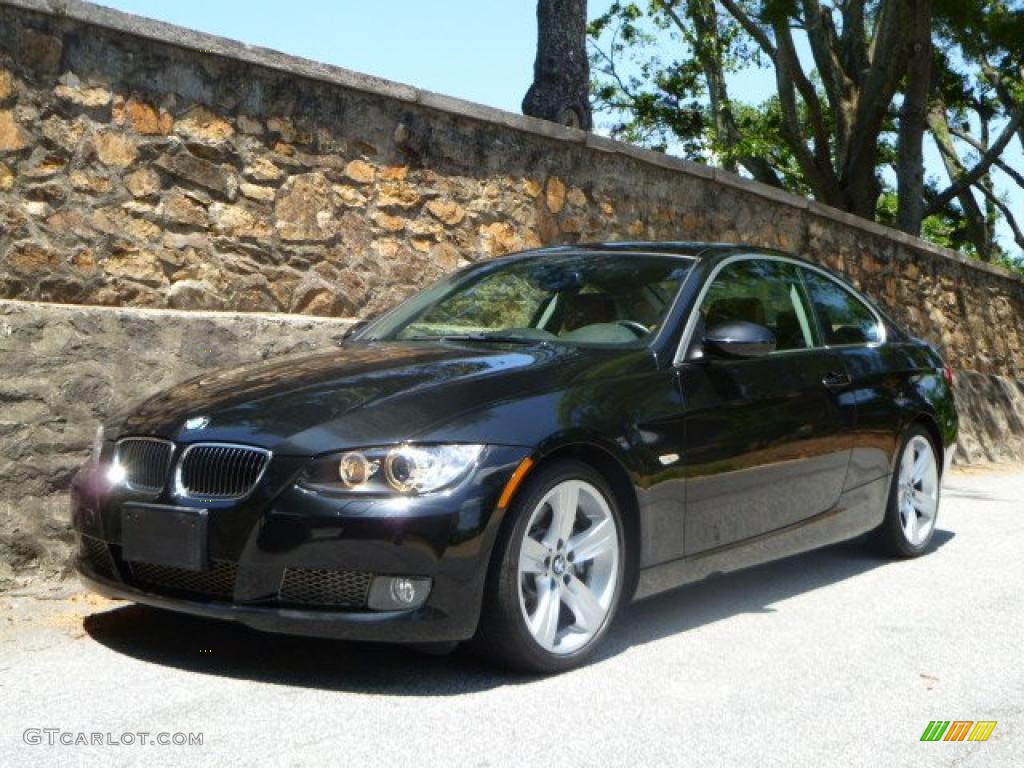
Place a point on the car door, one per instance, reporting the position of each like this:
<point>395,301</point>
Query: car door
<point>765,439</point>
<point>855,332</point>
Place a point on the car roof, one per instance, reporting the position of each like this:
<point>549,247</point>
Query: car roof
<point>690,249</point>
<point>680,247</point>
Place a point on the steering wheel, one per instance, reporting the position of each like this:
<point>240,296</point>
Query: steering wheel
<point>638,328</point>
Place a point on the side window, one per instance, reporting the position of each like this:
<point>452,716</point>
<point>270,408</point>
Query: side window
<point>844,319</point>
<point>765,292</point>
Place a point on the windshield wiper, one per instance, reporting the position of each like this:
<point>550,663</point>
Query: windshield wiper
<point>497,337</point>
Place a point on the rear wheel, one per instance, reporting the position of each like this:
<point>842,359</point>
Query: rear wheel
<point>913,498</point>
<point>558,581</point>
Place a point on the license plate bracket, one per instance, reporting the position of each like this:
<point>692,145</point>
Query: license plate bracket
<point>159,534</point>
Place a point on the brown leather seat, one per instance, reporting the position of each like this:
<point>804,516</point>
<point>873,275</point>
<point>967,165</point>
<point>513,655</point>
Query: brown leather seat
<point>788,333</point>
<point>587,309</point>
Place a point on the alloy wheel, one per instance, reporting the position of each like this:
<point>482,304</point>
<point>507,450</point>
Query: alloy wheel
<point>568,567</point>
<point>918,491</point>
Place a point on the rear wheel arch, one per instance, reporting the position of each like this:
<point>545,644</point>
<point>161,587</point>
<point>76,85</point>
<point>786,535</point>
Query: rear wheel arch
<point>931,426</point>
<point>892,536</point>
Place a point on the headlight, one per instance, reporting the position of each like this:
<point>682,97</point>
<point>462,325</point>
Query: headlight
<point>97,445</point>
<point>404,469</point>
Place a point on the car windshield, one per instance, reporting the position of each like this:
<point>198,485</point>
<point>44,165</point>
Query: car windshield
<point>587,298</point>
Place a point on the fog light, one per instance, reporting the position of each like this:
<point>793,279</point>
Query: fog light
<point>397,593</point>
<point>403,590</point>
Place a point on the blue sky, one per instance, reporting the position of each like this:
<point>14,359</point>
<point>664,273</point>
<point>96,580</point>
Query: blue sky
<point>480,51</point>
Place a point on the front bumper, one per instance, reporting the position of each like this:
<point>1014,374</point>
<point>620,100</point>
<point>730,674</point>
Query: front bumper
<point>256,546</point>
<point>420,625</point>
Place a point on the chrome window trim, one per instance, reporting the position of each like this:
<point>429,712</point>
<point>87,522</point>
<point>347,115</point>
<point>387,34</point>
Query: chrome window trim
<point>179,490</point>
<point>691,321</point>
<point>116,461</point>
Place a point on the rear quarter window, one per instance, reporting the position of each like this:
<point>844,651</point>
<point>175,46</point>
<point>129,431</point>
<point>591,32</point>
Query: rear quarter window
<point>843,317</point>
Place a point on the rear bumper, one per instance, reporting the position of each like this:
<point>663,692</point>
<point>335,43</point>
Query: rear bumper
<point>254,548</point>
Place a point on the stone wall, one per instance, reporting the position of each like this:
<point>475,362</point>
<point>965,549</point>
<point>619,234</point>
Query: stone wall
<point>991,410</point>
<point>65,368</point>
<point>146,165</point>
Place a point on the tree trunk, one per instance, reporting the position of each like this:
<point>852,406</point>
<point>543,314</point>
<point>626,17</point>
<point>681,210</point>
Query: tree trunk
<point>900,27</point>
<point>913,123</point>
<point>561,72</point>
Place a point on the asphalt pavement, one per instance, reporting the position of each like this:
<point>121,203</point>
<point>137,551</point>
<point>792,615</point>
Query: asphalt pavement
<point>836,657</point>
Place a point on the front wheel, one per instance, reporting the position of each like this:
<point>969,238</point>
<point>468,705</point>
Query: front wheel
<point>913,498</point>
<point>556,587</point>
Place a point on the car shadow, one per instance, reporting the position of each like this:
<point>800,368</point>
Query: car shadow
<point>211,647</point>
<point>952,490</point>
<point>753,590</point>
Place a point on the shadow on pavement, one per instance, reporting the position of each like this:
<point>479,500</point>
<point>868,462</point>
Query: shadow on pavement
<point>952,490</point>
<point>207,646</point>
<point>753,590</point>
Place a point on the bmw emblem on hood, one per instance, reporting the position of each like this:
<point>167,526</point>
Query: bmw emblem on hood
<point>197,422</point>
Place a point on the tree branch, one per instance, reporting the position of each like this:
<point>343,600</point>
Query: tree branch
<point>822,181</point>
<point>982,166</point>
<point>821,35</point>
<point>1018,236</point>
<point>975,221</point>
<point>854,44</point>
<point>999,163</point>
<point>751,27</point>
<point>999,81</point>
<point>706,45</point>
<point>791,62</point>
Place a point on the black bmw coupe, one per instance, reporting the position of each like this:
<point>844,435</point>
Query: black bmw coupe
<point>513,454</point>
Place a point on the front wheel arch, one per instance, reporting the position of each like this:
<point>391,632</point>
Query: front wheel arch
<point>618,479</point>
<point>500,634</point>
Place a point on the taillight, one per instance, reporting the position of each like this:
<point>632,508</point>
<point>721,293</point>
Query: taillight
<point>947,374</point>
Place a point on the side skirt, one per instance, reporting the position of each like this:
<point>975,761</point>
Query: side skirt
<point>858,511</point>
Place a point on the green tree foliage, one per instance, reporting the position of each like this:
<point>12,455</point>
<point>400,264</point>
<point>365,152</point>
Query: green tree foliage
<point>863,91</point>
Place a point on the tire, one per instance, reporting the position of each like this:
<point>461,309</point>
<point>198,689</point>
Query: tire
<point>574,582</point>
<point>914,490</point>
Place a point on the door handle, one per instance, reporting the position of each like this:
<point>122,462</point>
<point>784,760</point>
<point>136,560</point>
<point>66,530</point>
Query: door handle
<point>837,380</point>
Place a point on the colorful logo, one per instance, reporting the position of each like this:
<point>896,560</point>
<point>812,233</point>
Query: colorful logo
<point>958,730</point>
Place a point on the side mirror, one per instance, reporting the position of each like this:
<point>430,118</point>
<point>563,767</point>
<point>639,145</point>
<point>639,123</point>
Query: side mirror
<point>739,339</point>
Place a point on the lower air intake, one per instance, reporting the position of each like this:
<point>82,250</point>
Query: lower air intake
<point>324,587</point>
<point>216,583</point>
<point>96,554</point>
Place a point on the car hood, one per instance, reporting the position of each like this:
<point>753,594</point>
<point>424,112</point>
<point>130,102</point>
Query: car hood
<point>359,394</point>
